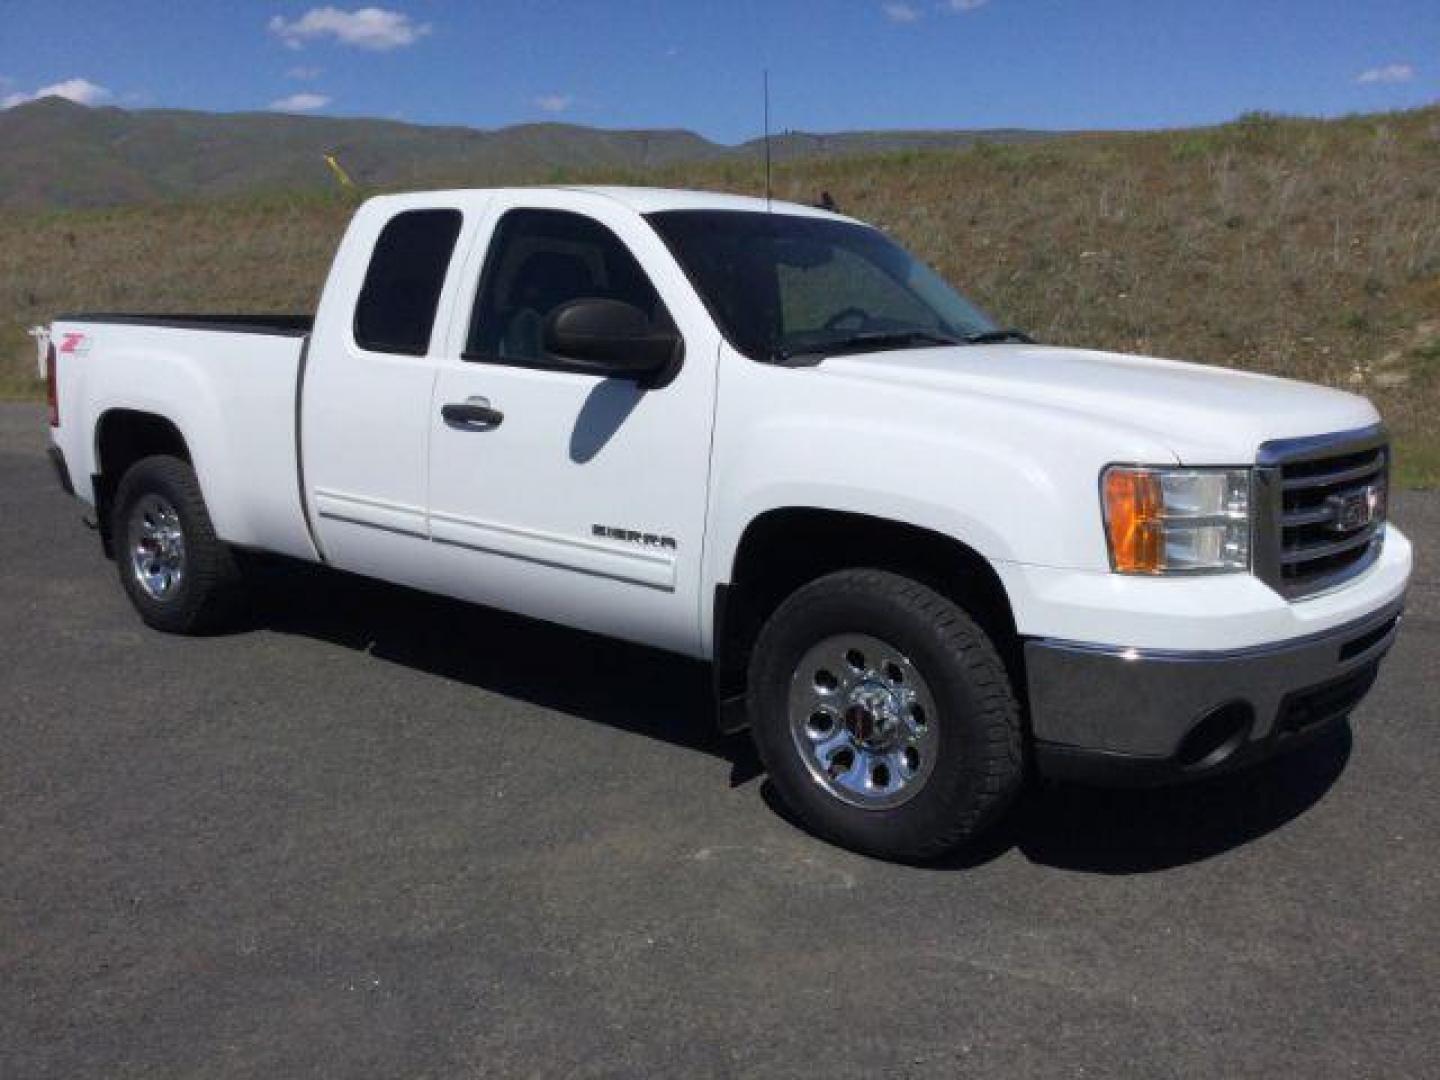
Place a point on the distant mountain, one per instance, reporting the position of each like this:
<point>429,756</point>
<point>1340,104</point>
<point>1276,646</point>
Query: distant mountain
<point>54,153</point>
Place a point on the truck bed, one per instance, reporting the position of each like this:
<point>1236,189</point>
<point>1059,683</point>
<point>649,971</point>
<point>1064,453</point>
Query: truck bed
<point>281,325</point>
<point>228,383</point>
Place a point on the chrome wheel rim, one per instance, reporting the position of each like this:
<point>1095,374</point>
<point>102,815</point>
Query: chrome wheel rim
<point>864,721</point>
<point>157,547</point>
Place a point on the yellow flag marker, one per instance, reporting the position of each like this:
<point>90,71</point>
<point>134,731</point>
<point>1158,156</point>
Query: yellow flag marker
<point>340,174</point>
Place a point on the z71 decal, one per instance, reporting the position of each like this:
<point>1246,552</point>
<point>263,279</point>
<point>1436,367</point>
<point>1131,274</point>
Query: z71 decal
<point>73,344</point>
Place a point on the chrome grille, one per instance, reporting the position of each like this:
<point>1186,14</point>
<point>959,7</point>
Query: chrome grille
<point>1320,509</point>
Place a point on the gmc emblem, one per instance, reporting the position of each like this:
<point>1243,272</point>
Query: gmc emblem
<point>1355,509</point>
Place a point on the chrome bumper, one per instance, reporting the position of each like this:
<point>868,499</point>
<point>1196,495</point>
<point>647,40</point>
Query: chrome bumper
<point>1109,715</point>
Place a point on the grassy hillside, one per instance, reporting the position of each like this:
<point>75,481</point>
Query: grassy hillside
<point>1302,248</point>
<point>56,154</point>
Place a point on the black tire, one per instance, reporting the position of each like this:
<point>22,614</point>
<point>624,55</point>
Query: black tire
<point>978,765</point>
<point>206,596</point>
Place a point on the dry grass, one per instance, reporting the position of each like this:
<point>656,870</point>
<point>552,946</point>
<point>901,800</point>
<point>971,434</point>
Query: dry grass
<point>1302,248</point>
<point>253,256</point>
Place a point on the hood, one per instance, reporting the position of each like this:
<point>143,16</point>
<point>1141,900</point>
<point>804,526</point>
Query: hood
<point>1206,415</point>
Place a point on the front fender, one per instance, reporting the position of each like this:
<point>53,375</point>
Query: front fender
<point>1014,481</point>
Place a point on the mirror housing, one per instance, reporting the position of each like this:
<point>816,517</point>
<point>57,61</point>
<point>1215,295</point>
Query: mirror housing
<point>613,338</point>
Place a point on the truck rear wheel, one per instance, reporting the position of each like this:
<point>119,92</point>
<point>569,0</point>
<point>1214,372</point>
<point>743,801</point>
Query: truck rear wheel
<point>884,716</point>
<point>180,576</point>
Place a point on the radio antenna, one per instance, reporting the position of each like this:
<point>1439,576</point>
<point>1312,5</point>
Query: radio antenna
<point>767,140</point>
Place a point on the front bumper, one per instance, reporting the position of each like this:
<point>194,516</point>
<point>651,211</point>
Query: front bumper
<point>1112,715</point>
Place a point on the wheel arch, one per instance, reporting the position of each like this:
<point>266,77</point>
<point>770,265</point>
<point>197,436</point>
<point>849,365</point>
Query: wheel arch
<point>124,436</point>
<point>785,548</point>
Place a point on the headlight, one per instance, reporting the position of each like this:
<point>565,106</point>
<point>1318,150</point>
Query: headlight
<point>1164,521</point>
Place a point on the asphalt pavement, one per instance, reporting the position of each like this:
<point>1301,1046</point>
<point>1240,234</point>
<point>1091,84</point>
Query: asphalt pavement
<point>376,833</point>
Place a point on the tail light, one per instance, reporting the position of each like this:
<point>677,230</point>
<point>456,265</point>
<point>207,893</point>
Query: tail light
<point>52,396</point>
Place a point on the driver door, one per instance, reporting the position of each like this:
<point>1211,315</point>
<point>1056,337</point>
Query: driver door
<point>554,492</point>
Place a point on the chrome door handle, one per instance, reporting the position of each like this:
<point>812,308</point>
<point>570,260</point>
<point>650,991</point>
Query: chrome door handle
<point>472,414</point>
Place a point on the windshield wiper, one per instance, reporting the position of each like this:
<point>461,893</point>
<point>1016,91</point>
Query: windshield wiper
<point>995,337</point>
<point>874,339</point>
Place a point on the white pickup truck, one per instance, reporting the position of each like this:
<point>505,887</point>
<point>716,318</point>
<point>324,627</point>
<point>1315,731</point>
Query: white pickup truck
<point>925,555</point>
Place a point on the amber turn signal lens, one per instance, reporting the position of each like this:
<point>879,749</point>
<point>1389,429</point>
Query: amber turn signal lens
<point>1135,520</point>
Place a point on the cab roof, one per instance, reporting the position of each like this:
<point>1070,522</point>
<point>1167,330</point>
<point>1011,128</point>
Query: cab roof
<point>643,200</point>
<point>650,200</point>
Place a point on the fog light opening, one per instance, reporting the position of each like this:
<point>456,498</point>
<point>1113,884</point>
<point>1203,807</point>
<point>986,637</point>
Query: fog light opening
<point>1217,735</point>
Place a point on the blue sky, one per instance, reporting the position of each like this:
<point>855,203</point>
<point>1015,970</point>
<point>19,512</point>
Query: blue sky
<point>844,64</point>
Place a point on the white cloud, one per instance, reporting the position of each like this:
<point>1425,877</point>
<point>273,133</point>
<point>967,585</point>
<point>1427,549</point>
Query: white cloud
<point>300,103</point>
<point>1390,73</point>
<point>964,5</point>
<point>900,12</point>
<point>80,91</point>
<point>304,74</point>
<point>369,28</point>
<point>554,103</point>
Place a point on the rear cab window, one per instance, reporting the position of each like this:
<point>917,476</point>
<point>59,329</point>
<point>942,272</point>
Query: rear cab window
<point>396,309</point>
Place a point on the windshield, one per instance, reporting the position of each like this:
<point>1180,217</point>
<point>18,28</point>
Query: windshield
<point>782,286</point>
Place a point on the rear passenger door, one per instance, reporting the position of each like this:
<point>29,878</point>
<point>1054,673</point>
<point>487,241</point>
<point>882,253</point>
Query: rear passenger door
<point>367,390</point>
<point>584,500</point>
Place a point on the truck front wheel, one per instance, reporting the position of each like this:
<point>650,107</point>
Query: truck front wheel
<point>180,576</point>
<point>884,716</point>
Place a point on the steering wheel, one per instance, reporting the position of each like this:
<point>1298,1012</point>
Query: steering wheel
<point>859,315</point>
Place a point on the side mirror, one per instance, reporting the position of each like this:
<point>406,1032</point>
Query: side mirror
<point>613,338</point>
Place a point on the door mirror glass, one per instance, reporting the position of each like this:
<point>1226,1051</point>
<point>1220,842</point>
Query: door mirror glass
<point>611,337</point>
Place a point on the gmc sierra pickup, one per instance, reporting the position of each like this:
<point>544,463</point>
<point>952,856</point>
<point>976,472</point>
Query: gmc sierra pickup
<point>925,555</point>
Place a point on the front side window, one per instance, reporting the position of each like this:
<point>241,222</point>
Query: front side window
<point>539,260</point>
<point>781,285</point>
<point>396,309</point>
